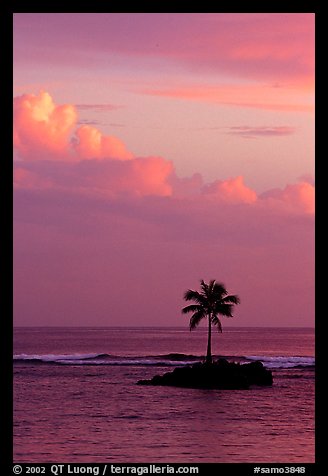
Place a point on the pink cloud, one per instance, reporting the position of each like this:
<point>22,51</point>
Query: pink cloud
<point>231,191</point>
<point>296,198</point>
<point>97,107</point>
<point>43,133</point>
<point>259,96</point>
<point>92,163</point>
<point>44,130</point>
<point>84,226</point>
<point>258,46</point>
<point>261,131</point>
<point>90,143</point>
<point>41,128</point>
<point>91,177</point>
<point>79,247</point>
<point>24,178</point>
<point>155,176</point>
<point>308,178</point>
<point>254,46</point>
<point>184,187</point>
<point>138,177</point>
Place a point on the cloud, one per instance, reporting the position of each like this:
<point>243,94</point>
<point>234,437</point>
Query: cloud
<point>296,198</point>
<point>92,249</point>
<point>184,187</point>
<point>97,107</point>
<point>94,122</point>
<point>258,96</point>
<point>28,179</point>
<point>44,130</point>
<point>41,128</point>
<point>90,177</point>
<point>116,124</point>
<point>57,155</point>
<point>231,191</point>
<point>155,176</point>
<point>91,143</point>
<point>92,223</point>
<point>261,131</point>
<point>88,122</point>
<point>275,47</point>
<point>309,178</point>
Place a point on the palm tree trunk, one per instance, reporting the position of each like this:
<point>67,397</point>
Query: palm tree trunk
<point>209,354</point>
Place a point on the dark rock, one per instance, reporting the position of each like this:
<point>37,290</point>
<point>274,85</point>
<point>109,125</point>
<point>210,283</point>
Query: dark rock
<point>257,374</point>
<point>144,382</point>
<point>222,363</point>
<point>218,375</point>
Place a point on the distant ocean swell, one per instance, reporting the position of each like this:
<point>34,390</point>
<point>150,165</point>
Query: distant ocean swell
<point>167,360</point>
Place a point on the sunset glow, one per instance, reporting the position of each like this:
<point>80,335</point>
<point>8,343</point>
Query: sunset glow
<point>152,150</point>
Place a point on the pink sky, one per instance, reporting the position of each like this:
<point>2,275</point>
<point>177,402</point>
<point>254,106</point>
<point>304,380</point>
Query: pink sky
<point>155,150</point>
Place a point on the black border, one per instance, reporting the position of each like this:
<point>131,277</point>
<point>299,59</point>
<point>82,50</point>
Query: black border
<point>6,78</point>
<point>6,239</point>
<point>169,6</point>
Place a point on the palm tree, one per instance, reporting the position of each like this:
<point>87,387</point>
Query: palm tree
<point>212,301</point>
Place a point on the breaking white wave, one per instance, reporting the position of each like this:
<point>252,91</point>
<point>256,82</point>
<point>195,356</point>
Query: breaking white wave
<point>283,362</point>
<point>167,360</point>
<point>106,359</point>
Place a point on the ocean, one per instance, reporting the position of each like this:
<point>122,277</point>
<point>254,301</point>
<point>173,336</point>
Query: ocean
<point>76,397</point>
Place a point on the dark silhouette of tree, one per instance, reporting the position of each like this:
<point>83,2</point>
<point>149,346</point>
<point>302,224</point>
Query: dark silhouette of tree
<point>212,301</point>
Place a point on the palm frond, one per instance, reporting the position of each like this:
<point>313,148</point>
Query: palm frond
<point>196,318</point>
<point>212,290</point>
<point>203,284</point>
<point>191,308</point>
<point>211,286</point>
<point>219,291</point>
<point>231,299</point>
<point>195,296</point>
<point>191,295</point>
<point>224,309</point>
<point>216,321</point>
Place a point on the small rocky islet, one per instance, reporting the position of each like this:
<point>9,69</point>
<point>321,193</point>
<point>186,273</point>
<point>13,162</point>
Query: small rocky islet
<point>219,374</point>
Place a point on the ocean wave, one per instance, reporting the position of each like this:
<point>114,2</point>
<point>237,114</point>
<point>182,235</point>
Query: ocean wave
<point>107,359</point>
<point>56,357</point>
<point>162,360</point>
<point>283,362</point>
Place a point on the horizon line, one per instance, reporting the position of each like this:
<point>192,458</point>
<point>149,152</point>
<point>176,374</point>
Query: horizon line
<point>157,327</point>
